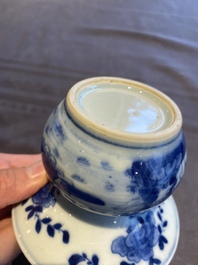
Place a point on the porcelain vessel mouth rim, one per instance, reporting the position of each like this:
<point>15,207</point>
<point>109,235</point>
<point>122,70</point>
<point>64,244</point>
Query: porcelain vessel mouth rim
<point>121,137</point>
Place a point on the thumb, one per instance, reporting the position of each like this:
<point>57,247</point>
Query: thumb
<point>17,184</point>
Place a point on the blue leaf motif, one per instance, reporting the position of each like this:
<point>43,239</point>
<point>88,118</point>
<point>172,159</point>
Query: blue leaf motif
<point>153,261</point>
<point>65,237</point>
<point>31,213</point>
<point>95,260</point>
<point>33,210</point>
<point>50,230</point>
<point>159,229</point>
<point>38,208</point>
<point>165,224</point>
<point>156,261</point>
<point>46,220</point>
<point>75,259</point>
<point>57,226</point>
<point>159,216</point>
<point>161,245</point>
<point>44,199</point>
<point>29,208</point>
<point>162,241</point>
<point>38,226</point>
<point>84,255</point>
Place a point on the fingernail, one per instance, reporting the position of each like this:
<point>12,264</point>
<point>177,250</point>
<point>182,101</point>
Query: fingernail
<point>35,170</point>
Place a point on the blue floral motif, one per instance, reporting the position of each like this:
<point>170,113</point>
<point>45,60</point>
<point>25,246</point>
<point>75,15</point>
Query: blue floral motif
<point>45,199</point>
<point>142,236</point>
<point>149,177</point>
<point>78,258</point>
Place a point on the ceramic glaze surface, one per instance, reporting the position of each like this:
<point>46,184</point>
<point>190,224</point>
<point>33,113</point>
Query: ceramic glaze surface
<point>123,111</point>
<point>108,177</point>
<point>51,230</point>
<point>114,152</point>
<point>124,108</point>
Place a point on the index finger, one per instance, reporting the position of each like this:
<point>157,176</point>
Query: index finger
<point>17,184</point>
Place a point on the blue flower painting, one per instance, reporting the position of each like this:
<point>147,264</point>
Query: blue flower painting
<point>44,197</point>
<point>142,236</point>
<point>149,177</point>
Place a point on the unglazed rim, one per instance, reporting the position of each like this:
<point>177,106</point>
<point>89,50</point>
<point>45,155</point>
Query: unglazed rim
<point>121,137</point>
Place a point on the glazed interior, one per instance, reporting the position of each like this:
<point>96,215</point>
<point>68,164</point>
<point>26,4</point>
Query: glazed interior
<point>123,110</point>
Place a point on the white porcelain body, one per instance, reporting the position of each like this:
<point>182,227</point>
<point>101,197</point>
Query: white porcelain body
<point>108,176</point>
<point>51,230</point>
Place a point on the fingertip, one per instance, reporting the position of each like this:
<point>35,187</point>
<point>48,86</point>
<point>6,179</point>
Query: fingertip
<point>35,170</point>
<point>37,176</point>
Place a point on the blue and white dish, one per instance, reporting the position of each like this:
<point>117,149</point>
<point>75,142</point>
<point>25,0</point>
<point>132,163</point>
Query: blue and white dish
<point>114,146</point>
<point>51,230</point>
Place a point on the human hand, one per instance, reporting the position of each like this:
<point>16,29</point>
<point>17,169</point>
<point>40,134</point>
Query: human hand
<point>20,177</point>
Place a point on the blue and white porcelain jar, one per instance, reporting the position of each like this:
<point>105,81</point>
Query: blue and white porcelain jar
<point>114,146</point>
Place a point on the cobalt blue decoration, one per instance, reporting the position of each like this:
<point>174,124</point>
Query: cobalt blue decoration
<point>149,177</point>
<point>45,199</point>
<point>114,147</point>
<point>77,258</point>
<point>84,161</point>
<point>142,236</point>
